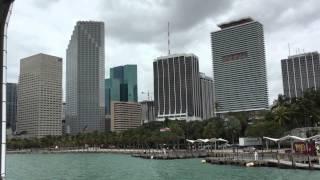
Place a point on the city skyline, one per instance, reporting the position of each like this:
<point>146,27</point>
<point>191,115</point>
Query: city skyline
<point>277,35</point>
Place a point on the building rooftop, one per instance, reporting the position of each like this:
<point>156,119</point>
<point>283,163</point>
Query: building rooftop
<point>175,55</point>
<point>302,54</point>
<point>235,22</point>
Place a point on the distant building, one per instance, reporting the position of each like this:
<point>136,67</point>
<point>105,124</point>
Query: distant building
<point>207,96</point>
<point>148,111</point>
<point>85,89</point>
<point>108,123</point>
<point>63,118</point>
<point>39,96</point>
<point>239,66</point>
<point>299,73</point>
<point>107,91</point>
<point>11,106</point>
<point>177,87</point>
<point>122,85</point>
<point>125,115</point>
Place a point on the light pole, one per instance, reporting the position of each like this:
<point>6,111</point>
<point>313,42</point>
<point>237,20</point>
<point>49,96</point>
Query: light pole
<point>5,10</point>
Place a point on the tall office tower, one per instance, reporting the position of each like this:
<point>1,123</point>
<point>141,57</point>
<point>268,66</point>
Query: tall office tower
<point>125,115</point>
<point>39,96</point>
<point>177,87</point>
<point>239,66</point>
<point>85,90</point>
<point>11,106</point>
<point>148,111</point>
<point>122,85</point>
<point>299,73</point>
<point>207,96</point>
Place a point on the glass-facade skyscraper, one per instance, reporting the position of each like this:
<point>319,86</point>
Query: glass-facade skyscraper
<point>85,89</point>
<point>122,85</point>
<point>239,66</point>
<point>11,106</point>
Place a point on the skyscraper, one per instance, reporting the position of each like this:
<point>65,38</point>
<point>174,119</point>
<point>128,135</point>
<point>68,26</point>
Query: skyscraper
<point>11,106</point>
<point>85,90</point>
<point>300,72</point>
<point>239,66</point>
<point>39,96</point>
<point>177,87</point>
<point>122,85</point>
<point>207,96</point>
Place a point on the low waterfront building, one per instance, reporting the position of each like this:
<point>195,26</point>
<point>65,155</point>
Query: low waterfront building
<point>125,115</point>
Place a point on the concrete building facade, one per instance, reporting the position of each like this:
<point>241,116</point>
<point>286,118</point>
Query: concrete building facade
<point>207,96</point>
<point>85,89</point>
<point>239,66</point>
<point>148,111</point>
<point>299,73</point>
<point>177,87</point>
<point>125,115</point>
<point>39,96</point>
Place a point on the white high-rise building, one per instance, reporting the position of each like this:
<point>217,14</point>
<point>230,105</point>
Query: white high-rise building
<point>177,87</point>
<point>239,67</point>
<point>207,96</point>
<point>85,96</point>
<point>39,96</point>
<point>299,73</point>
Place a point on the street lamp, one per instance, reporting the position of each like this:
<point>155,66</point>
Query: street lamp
<point>5,11</point>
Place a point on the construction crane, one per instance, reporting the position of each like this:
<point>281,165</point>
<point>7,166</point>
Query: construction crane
<point>148,94</point>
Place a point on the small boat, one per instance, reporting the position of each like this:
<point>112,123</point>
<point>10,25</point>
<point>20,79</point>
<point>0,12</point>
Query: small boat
<point>250,164</point>
<point>203,161</point>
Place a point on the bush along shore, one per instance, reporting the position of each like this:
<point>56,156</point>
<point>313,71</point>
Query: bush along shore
<point>285,114</point>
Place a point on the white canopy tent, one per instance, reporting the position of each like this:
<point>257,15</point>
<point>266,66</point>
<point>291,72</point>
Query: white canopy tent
<point>292,139</point>
<point>211,140</point>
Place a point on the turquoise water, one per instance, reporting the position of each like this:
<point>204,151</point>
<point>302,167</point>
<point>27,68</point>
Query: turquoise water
<point>124,167</point>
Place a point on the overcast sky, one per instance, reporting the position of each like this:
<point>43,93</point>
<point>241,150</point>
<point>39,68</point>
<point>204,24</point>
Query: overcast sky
<point>136,30</point>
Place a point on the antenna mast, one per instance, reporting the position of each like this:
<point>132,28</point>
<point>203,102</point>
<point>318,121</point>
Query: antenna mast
<point>168,38</point>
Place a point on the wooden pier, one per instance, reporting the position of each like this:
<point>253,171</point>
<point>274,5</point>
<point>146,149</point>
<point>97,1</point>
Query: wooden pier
<point>172,155</point>
<point>267,159</point>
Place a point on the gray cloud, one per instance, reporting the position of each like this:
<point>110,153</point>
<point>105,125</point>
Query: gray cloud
<point>136,30</point>
<point>44,3</point>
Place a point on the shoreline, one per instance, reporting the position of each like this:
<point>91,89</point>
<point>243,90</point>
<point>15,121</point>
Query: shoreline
<point>87,150</point>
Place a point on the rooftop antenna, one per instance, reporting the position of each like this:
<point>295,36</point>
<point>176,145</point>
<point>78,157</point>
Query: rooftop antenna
<point>168,38</point>
<point>289,48</point>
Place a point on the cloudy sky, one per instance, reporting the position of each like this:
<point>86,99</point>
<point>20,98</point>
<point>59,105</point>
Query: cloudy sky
<point>136,30</point>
